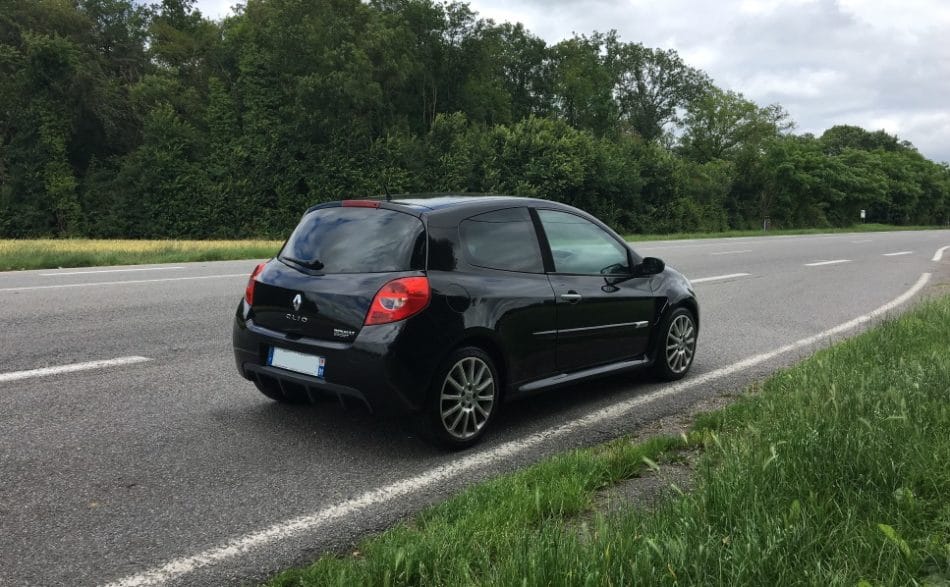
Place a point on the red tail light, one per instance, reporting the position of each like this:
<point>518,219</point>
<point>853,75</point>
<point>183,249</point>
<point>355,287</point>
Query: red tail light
<point>249,290</point>
<point>398,300</point>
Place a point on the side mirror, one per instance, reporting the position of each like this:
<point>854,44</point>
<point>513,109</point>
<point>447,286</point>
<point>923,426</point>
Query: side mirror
<point>649,266</point>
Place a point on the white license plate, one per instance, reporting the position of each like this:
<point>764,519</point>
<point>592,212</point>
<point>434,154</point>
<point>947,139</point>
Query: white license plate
<point>294,361</point>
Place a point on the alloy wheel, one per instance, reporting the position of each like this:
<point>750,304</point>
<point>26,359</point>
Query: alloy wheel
<point>467,398</point>
<point>680,344</point>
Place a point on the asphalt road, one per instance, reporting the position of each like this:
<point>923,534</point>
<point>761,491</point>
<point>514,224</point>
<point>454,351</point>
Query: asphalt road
<point>112,472</point>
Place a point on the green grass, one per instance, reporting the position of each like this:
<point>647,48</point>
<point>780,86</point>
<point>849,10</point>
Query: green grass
<point>776,232</point>
<point>833,472</point>
<point>51,253</point>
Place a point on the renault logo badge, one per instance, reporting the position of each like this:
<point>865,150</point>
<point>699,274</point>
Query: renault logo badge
<point>297,301</point>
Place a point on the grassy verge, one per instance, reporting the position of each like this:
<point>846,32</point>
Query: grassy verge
<point>783,232</point>
<point>835,471</point>
<point>50,253</point>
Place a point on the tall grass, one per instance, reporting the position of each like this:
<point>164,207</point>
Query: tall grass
<point>51,253</point>
<point>835,472</point>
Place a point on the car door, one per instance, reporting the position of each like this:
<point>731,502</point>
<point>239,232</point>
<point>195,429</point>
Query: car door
<point>603,314</point>
<point>510,292</point>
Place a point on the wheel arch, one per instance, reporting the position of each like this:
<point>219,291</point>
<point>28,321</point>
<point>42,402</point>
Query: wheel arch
<point>485,340</point>
<point>664,308</point>
<point>690,304</point>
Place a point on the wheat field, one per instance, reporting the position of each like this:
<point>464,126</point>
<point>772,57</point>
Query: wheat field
<point>53,253</point>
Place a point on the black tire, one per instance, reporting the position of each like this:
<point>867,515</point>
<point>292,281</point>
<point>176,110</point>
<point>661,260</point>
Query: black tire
<point>459,418</point>
<point>675,345</point>
<point>271,389</point>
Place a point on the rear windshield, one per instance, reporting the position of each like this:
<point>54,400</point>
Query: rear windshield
<point>357,240</point>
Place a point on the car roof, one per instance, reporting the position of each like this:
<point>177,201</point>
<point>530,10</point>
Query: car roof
<point>443,201</point>
<point>441,204</point>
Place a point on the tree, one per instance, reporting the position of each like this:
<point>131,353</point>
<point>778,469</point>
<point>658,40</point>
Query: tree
<point>721,123</point>
<point>581,86</point>
<point>838,138</point>
<point>651,86</point>
<point>121,119</point>
<point>521,60</point>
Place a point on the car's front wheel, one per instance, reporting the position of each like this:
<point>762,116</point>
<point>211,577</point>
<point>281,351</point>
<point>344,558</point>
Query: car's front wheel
<point>676,345</point>
<point>463,399</point>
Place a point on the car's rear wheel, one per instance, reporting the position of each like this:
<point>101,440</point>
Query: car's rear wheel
<point>676,346</point>
<point>463,399</point>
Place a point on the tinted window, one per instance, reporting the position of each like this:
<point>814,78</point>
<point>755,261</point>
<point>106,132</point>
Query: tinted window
<point>580,246</point>
<point>502,240</point>
<point>357,240</point>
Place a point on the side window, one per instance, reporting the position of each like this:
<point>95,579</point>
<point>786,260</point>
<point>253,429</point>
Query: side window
<point>581,247</point>
<point>504,239</point>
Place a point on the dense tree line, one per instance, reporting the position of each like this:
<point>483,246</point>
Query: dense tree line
<point>120,119</point>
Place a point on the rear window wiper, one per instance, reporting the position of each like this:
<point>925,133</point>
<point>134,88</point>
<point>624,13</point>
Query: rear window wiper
<point>317,265</point>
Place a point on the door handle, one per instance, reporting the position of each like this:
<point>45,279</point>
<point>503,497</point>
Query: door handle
<point>572,297</point>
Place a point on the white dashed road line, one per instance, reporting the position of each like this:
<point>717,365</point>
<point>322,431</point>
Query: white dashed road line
<point>732,252</point>
<point>718,277</point>
<point>939,254</point>
<point>310,522</point>
<point>897,254</point>
<point>834,262</point>
<point>59,273</point>
<point>47,371</point>
<point>864,240</point>
<point>126,282</point>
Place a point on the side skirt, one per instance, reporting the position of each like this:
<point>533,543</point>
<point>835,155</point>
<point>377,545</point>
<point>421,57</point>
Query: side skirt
<point>560,379</point>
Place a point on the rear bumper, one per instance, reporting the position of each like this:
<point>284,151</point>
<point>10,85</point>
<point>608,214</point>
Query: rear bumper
<point>371,368</point>
<point>314,386</point>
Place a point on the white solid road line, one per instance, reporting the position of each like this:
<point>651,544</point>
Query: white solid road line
<point>126,282</point>
<point>58,273</point>
<point>835,262</point>
<point>718,277</point>
<point>47,371</point>
<point>939,254</point>
<point>310,522</point>
<point>897,254</point>
<point>732,252</point>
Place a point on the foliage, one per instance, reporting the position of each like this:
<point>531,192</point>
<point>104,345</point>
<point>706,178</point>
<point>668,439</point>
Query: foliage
<point>125,119</point>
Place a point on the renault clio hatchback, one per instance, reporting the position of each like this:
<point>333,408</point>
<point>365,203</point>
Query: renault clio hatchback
<point>444,307</point>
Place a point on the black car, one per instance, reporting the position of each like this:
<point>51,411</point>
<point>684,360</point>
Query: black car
<point>445,306</point>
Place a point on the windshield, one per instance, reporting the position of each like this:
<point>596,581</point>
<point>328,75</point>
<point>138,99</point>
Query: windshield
<point>357,240</point>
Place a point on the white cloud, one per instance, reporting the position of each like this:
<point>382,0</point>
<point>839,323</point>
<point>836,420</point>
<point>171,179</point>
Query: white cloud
<point>921,128</point>
<point>216,9</point>
<point>804,83</point>
<point>759,7</point>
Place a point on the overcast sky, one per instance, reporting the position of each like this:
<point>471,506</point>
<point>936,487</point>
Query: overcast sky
<point>879,64</point>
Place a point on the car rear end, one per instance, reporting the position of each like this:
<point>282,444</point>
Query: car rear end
<point>335,313</point>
